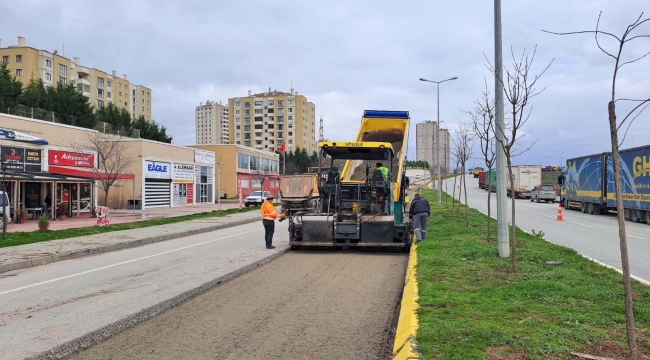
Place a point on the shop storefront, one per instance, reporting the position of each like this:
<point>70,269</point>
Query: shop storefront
<point>183,184</point>
<point>157,184</point>
<point>37,191</point>
<point>204,176</point>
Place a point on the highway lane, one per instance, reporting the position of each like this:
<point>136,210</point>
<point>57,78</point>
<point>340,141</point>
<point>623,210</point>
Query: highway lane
<point>47,305</point>
<point>595,236</point>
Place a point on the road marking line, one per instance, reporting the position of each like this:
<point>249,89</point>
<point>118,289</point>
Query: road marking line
<point>580,224</point>
<point>122,263</point>
<point>548,216</point>
<point>636,237</point>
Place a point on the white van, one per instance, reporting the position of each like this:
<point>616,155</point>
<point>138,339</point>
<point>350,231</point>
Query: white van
<point>5,205</point>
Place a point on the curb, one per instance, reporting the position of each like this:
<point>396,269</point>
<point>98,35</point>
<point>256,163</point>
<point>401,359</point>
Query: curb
<point>92,338</point>
<point>405,346</point>
<point>116,246</point>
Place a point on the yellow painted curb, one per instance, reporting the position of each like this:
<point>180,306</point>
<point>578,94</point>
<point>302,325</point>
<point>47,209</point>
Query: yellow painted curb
<point>405,346</point>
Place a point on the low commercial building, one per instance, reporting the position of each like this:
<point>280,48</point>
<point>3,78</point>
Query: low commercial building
<point>242,167</point>
<point>40,158</point>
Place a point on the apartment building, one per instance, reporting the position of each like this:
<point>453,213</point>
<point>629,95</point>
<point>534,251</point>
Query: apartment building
<point>212,124</point>
<point>100,87</point>
<point>426,144</point>
<point>266,120</point>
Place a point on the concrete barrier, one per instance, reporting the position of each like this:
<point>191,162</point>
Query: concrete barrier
<point>405,345</point>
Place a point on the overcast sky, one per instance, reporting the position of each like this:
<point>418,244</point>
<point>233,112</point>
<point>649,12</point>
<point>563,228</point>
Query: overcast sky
<point>347,56</point>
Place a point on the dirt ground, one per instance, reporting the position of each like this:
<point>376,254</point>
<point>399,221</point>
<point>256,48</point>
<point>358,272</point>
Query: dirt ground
<point>303,305</point>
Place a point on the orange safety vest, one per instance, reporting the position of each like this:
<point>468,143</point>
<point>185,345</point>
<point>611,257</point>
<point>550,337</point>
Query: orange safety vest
<point>268,211</point>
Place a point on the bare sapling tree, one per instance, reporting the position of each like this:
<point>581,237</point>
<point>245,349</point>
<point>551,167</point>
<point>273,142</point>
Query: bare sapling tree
<point>453,194</point>
<point>630,34</point>
<point>483,120</point>
<point>261,175</point>
<point>7,173</point>
<point>113,158</point>
<point>463,142</point>
<point>519,87</point>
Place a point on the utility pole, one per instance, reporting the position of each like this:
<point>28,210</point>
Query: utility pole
<point>219,183</point>
<point>503,238</point>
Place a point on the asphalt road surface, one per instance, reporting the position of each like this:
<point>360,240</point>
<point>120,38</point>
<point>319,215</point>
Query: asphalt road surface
<point>303,305</point>
<point>595,236</point>
<point>47,305</point>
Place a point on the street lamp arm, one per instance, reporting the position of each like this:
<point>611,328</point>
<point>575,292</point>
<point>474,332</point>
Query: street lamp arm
<point>438,82</point>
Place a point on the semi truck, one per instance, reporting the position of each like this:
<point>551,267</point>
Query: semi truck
<point>588,183</point>
<point>358,205</point>
<point>524,179</point>
<point>487,180</point>
<point>477,171</point>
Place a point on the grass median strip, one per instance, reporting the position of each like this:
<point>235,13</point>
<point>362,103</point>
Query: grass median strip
<point>21,238</point>
<point>473,307</point>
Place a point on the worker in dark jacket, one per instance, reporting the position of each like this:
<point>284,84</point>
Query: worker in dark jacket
<point>419,214</point>
<point>407,182</point>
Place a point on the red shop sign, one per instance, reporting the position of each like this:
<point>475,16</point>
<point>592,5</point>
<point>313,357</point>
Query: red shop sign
<point>67,158</point>
<point>190,193</point>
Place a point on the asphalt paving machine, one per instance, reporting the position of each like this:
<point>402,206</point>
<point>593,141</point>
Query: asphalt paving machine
<point>358,206</point>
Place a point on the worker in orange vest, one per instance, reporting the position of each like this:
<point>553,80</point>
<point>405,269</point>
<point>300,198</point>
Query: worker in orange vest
<point>268,219</point>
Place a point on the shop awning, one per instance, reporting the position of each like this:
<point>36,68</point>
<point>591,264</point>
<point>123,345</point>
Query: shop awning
<point>85,173</point>
<point>39,176</point>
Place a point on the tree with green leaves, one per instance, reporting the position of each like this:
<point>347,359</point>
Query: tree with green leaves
<point>71,107</point>
<point>34,95</point>
<point>10,89</point>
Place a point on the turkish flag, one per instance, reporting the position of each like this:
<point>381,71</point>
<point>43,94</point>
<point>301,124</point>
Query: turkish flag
<point>281,148</point>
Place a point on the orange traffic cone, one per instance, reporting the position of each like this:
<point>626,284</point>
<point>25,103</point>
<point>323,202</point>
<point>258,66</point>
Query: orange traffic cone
<point>559,213</point>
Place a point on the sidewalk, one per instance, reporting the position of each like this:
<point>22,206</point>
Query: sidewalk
<point>22,256</point>
<point>121,216</point>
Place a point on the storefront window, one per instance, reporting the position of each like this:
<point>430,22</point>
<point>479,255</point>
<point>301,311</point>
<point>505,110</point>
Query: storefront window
<point>255,163</point>
<point>242,161</point>
<point>265,164</point>
<point>274,166</point>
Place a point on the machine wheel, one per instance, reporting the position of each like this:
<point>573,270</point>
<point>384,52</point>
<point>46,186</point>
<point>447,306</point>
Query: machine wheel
<point>531,199</point>
<point>647,217</point>
<point>552,201</point>
<point>635,216</point>
<point>538,201</point>
<point>583,207</point>
<point>590,209</point>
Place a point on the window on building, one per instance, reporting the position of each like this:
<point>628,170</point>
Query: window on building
<point>270,102</point>
<point>290,133</point>
<point>109,83</point>
<point>143,101</point>
<point>100,82</point>
<point>280,103</point>
<point>290,110</point>
<point>290,126</point>
<point>237,104</point>
<point>247,143</point>
<point>100,104</point>
<point>147,94</point>
<point>119,85</point>
<point>63,70</point>
<point>100,93</point>
<point>48,76</point>
<point>242,161</point>
<point>271,126</point>
<point>247,105</point>
<point>280,126</point>
<point>5,59</point>
<point>259,118</point>
<point>143,93</point>
<point>247,128</point>
<point>237,112</point>
<point>290,101</point>
<point>237,119</point>
<point>259,103</point>
<point>290,141</point>
<point>258,126</point>
<point>290,117</point>
<point>108,94</point>
<point>247,112</point>
<point>238,127</point>
<point>143,108</point>
<point>19,58</point>
<point>237,135</point>
<point>48,63</point>
<point>247,120</point>
<point>270,111</point>
<point>126,103</point>
<point>120,102</point>
<point>19,72</point>
<point>258,111</point>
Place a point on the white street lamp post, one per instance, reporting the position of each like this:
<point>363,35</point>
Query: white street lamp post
<point>438,133</point>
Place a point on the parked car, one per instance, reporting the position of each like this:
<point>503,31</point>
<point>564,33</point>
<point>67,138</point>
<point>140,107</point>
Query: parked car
<point>544,192</point>
<point>256,198</point>
<point>418,177</point>
<point>5,206</point>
